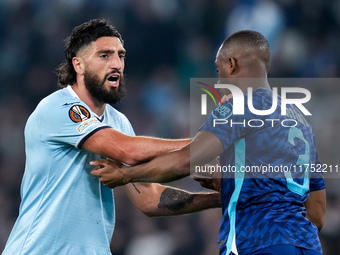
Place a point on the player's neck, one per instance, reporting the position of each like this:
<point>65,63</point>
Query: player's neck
<point>254,82</point>
<point>84,95</point>
<point>260,83</point>
<point>255,77</point>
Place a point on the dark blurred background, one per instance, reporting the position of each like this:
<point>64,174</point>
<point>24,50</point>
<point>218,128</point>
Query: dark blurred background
<point>167,42</point>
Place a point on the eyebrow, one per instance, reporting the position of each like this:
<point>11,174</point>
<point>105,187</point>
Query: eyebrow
<point>111,51</point>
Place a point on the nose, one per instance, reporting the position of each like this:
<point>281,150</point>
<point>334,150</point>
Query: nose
<point>117,62</point>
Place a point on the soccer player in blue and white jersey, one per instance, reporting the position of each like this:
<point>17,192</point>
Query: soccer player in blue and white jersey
<point>65,210</point>
<point>278,214</point>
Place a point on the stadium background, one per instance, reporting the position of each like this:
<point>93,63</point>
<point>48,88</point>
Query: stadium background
<point>167,42</point>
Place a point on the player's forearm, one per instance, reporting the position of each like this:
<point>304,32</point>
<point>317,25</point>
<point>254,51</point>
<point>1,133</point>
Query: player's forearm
<point>165,168</point>
<point>131,150</point>
<point>142,149</point>
<point>175,201</point>
<point>316,207</point>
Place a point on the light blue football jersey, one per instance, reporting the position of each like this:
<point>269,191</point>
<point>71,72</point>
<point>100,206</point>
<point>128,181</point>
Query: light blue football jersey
<point>64,210</point>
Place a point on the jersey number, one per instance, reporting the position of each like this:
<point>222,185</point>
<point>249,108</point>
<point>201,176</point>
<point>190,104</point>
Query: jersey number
<point>303,159</point>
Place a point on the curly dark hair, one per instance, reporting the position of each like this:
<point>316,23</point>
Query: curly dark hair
<point>81,36</point>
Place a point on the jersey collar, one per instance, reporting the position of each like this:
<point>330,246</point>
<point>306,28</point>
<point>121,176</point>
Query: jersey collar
<point>74,94</point>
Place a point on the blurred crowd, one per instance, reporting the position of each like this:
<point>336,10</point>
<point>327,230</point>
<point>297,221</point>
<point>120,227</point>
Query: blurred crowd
<point>167,43</point>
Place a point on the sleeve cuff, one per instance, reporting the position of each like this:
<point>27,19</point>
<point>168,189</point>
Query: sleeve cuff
<point>83,139</point>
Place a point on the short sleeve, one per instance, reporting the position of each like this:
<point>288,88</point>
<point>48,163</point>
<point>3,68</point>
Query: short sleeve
<point>69,124</point>
<point>130,130</point>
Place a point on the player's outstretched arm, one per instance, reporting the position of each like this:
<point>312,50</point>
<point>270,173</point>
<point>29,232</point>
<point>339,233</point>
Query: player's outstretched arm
<point>316,207</point>
<point>131,150</point>
<point>171,166</point>
<point>157,200</point>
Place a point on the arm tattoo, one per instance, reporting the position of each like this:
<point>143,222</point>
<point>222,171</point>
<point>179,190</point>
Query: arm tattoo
<point>174,199</point>
<point>136,188</point>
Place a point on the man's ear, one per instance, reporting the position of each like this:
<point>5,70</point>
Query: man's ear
<point>78,65</point>
<point>231,64</point>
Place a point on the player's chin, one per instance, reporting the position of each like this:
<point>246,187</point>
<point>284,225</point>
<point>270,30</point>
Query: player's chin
<point>113,90</point>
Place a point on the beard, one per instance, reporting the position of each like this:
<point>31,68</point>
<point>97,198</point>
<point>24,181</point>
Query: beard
<point>97,89</point>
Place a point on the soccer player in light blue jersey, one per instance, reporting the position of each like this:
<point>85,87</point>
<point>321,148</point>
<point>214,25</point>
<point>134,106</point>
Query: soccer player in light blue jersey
<point>64,210</point>
<point>274,214</point>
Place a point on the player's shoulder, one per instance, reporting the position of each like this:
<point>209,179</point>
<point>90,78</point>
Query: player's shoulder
<point>118,120</point>
<point>261,98</point>
<point>113,113</point>
<point>57,106</point>
<point>59,98</point>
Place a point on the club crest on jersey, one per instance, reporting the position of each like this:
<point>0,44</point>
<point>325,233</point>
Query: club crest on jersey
<point>222,111</point>
<point>78,113</point>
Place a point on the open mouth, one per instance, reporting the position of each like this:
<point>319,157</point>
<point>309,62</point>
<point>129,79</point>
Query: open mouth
<point>113,80</point>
